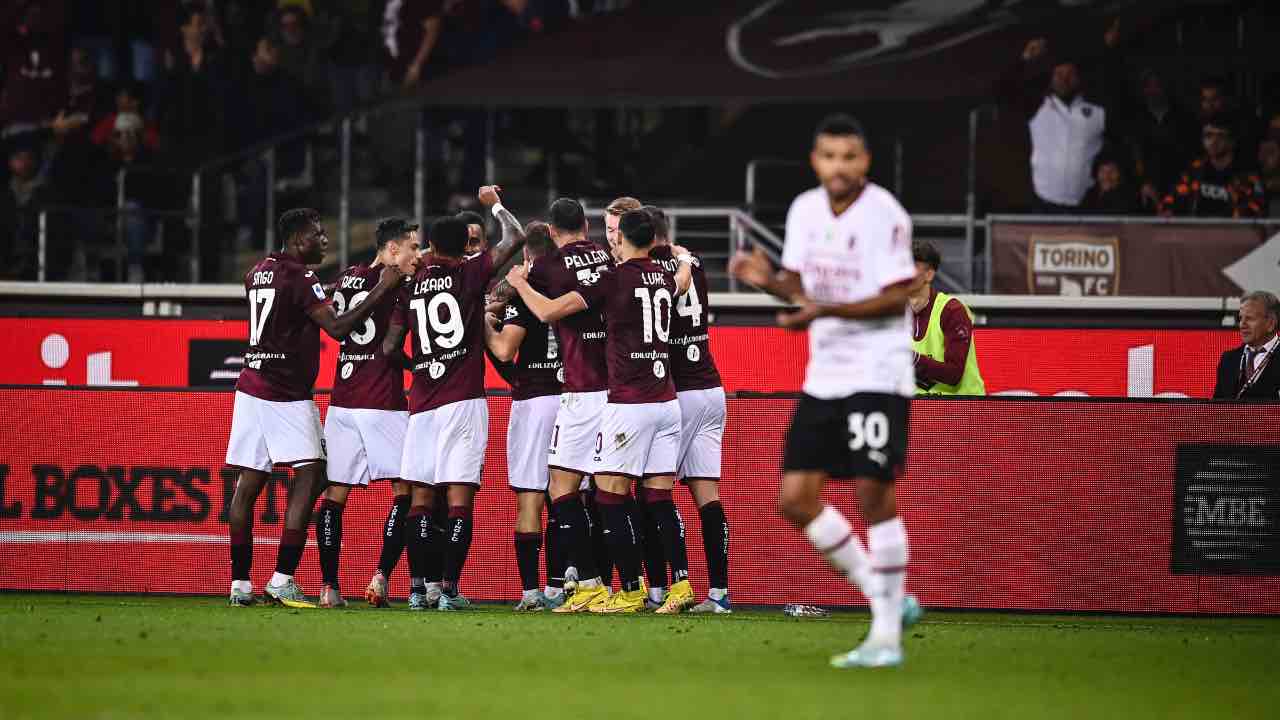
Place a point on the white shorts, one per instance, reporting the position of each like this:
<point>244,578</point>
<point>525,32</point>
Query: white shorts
<point>266,433</point>
<point>364,444</point>
<point>445,446</point>
<point>576,432</point>
<point>528,436</point>
<point>640,440</point>
<point>701,433</point>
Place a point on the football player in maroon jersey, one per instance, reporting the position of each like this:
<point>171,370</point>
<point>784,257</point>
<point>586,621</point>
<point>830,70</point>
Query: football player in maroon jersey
<point>275,420</point>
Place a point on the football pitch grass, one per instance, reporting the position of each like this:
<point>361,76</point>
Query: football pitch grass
<point>86,656</point>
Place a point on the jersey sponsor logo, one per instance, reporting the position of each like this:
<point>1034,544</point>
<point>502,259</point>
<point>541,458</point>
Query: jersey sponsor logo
<point>510,312</point>
<point>1074,265</point>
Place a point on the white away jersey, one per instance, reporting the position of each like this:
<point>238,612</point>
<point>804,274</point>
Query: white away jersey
<point>847,259</point>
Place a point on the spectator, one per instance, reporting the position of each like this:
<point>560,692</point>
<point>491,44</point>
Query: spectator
<point>355,72</point>
<point>142,190</point>
<point>129,99</point>
<point>34,57</point>
<point>26,190</point>
<point>1215,185</point>
<point>1251,371</point>
<point>410,33</point>
<point>1163,136</point>
<point>1067,130</point>
<point>299,56</point>
<point>278,106</point>
<point>1269,172</point>
<point>1214,99</point>
<point>1111,194</point>
<point>192,119</point>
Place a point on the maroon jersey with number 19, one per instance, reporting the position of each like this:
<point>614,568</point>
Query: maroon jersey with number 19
<point>692,367</point>
<point>444,308</point>
<point>581,335</point>
<point>283,358</point>
<point>636,298</point>
<point>364,377</point>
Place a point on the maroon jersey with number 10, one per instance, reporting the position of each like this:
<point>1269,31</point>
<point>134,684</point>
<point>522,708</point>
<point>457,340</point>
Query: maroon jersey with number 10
<point>364,377</point>
<point>636,298</point>
<point>444,308</point>
<point>692,367</point>
<point>283,357</point>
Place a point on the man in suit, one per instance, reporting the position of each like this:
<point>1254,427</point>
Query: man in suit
<point>1251,371</point>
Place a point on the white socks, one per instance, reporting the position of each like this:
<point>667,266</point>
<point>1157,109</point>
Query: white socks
<point>552,592</point>
<point>832,535</point>
<point>888,541</point>
<point>657,594</point>
<point>244,586</point>
<point>718,593</point>
<point>278,579</point>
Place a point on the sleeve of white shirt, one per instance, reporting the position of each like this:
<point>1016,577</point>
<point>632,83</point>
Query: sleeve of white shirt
<point>897,265</point>
<point>792,257</point>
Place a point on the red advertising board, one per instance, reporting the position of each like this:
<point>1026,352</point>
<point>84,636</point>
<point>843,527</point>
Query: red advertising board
<point>1010,503</point>
<point>181,353</point>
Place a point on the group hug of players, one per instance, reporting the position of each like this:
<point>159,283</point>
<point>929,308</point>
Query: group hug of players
<point>614,397</point>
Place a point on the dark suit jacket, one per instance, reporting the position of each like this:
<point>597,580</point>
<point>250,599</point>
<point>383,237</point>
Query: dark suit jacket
<point>1266,388</point>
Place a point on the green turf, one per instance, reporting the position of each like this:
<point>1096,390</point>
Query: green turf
<point>106,657</point>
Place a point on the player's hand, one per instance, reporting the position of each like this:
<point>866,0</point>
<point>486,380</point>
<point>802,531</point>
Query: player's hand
<point>1111,36</point>
<point>390,275</point>
<point>799,319</point>
<point>411,76</point>
<point>491,320</point>
<point>752,267</point>
<point>518,275</point>
<point>488,195</point>
<point>1035,49</point>
<point>678,250</point>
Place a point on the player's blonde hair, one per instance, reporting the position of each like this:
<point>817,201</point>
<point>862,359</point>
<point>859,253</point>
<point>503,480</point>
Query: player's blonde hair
<point>623,205</point>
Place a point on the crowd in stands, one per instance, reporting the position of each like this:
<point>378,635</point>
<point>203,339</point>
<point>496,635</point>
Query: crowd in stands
<point>88,88</point>
<point>1111,139</point>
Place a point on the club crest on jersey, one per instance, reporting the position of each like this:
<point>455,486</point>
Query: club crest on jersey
<point>560,375</point>
<point>319,291</point>
<point>693,353</point>
<point>510,312</point>
<point>347,369</point>
<point>659,370</point>
<point>435,370</point>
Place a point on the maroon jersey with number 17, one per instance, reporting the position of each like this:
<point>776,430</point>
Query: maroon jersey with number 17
<point>636,298</point>
<point>692,367</point>
<point>364,377</point>
<point>283,357</point>
<point>444,308</point>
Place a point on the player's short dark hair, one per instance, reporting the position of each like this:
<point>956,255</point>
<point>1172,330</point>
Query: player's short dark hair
<point>471,217</point>
<point>449,236</point>
<point>661,227</point>
<point>392,228</point>
<point>923,251</point>
<point>1216,82</point>
<point>186,11</point>
<point>132,88</point>
<point>566,214</point>
<point>294,221</point>
<point>538,240</point>
<point>637,228</point>
<point>840,124</point>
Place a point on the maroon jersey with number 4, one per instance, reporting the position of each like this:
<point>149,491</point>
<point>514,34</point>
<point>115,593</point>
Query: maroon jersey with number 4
<point>444,308</point>
<point>692,367</point>
<point>581,335</point>
<point>364,377</point>
<point>636,298</point>
<point>537,370</point>
<point>283,357</point>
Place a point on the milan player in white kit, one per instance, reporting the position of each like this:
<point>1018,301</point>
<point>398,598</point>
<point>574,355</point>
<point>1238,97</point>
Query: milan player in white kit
<point>275,421</point>
<point>448,431</point>
<point>639,431</point>
<point>364,428</point>
<point>847,264</point>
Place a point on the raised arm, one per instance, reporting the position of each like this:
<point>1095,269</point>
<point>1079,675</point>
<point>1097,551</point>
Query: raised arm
<point>512,233</point>
<point>684,273</point>
<point>756,268</point>
<point>546,309</point>
<point>340,326</point>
